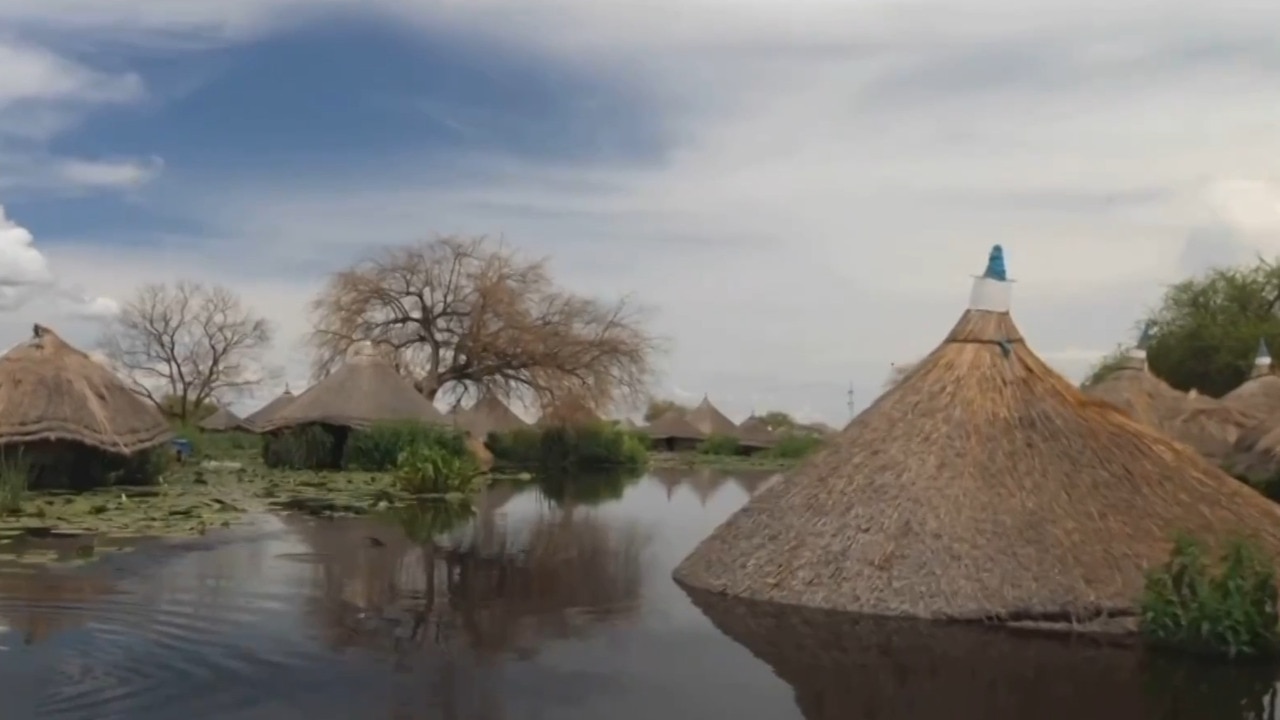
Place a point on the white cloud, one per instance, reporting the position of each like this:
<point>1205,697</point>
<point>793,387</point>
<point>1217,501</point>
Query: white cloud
<point>834,173</point>
<point>25,276</point>
<point>109,173</point>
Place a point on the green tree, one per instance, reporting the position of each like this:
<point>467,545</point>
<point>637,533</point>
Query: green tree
<point>777,420</point>
<point>1206,329</point>
<point>659,407</point>
<point>1106,365</point>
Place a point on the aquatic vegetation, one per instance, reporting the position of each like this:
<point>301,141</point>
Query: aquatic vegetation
<point>380,446</point>
<point>719,445</point>
<point>423,522</point>
<point>570,448</point>
<point>1226,608</point>
<point>431,470</point>
<point>303,448</point>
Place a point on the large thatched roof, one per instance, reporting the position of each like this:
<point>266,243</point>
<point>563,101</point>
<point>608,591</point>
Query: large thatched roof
<point>259,416</point>
<point>221,420</point>
<point>52,391</point>
<point>708,418</point>
<point>673,424</point>
<point>489,414</point>
<point>983,486</point>
<point>1211,426</point>
<point>1260,394</point>
<point>1145,397</point>
<point>363,391</point>
<point>754,432</point>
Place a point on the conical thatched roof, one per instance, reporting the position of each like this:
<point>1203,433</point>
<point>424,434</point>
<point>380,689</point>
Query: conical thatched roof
<point>489,414</point>
<point>1260,394</point>
<point>364,391</point>
<point>262,414</point>
<point>1145,397</point>
<point>221,420</point>
<point>983,486</point>
<point>672,424</point>
<point>1211,426</point>
<point>708,418</point>
<point>755,433</point>
<point>52,391</point>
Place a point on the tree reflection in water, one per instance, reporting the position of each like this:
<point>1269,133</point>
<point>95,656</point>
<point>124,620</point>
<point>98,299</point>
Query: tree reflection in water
<point>843,667</point>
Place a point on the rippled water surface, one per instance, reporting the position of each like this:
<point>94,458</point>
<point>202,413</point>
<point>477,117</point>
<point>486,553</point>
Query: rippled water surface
<point>534,609</point>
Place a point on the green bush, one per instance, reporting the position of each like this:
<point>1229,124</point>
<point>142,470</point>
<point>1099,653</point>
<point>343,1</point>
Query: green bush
<point>719,445</point>
<point>793,446</point>
<point>378,448</point>
<point>1229,610</point>
<point>433,470</point>
<point>596,445</point>
<point>15,477</point>
<point>308,447</point>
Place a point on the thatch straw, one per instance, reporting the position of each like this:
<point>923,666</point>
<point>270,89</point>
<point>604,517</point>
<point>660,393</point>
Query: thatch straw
<point>984,486</point>
<point>262,414</point>
<point>1145,397</point>
<point>754,432</point>
<point>673,425</point>
<point>221,420</point>
<point>363,391</point>
<point>489,414</point>
<point>842,667</point>
<point>710,421</point>
<point>50,391</point>
<point>1256,455</point>
<point>1211,427</point>
<point>1259,395</point>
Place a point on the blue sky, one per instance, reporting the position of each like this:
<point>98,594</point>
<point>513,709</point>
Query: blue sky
<point>800,190</point>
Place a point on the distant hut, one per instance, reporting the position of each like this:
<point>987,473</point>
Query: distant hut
<point>1135,390</point>
<point>754,434</point>
<point>983,487</point>
<point>489,414</point>
<point>222,420</point>
<point>54,397</point>
<point>710,421</point>
<point>672,432</point>
<point>262,414</point>
<point>1260,394</point>
<point>1210,426</point>
<point>364,391</point>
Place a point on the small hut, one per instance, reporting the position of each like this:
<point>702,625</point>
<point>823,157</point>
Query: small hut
<point>489,414</point>
<point>673,433</point>
<point>1260,394</point>
<point>262,414</point>
<point>53,396</point>
<point>222,420</point>
<point>754,434</point>
<point>1134,389</point>
<point>984,486</point>
<point>710,421</point>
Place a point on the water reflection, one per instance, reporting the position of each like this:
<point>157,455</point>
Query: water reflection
<point>842,667</point>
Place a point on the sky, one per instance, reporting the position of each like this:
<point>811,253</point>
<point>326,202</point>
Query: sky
<point>800,190</point>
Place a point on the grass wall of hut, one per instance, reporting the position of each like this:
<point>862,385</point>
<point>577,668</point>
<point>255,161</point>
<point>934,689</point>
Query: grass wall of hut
<point>374,449</point>
<point>72,466</point>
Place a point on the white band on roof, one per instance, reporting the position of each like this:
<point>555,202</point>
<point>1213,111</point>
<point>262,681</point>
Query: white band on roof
<point>991,295</point>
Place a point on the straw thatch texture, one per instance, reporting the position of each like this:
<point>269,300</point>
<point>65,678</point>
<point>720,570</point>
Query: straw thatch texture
<point>844,667</point>
<point>1256,455</point>
<point>1145,397</point>
<point>50,391</point>
<point>983,486</point>
<point>755,433</point>
<point>221,420</point>
<point>262,414</point>
<point>673,424</point>
<point>363,391</point>
<point>489,414</point>
<point>1259,395</point>
<point>708,419</point>
<point>1211,427</point>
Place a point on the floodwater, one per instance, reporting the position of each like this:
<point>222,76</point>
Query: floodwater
<point>553,604</point>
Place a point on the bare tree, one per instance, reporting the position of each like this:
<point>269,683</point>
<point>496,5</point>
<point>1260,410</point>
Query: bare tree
<point>180,346</point>
<point>897,372</point>
<point>460,315</point>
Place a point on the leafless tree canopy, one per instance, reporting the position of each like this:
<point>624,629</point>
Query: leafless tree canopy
<point>463,314</point>
<point>182,345</point>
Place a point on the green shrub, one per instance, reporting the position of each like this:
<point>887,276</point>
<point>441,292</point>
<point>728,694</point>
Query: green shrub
<point>433,470</point>
<point>793,446</point>
<point>560,448</point>
<point>308,447</point>
<point>1226,610</point>
<point>15,476</point>
<point>217,445</point>
<point>719,445</point>
<point>378,448</point>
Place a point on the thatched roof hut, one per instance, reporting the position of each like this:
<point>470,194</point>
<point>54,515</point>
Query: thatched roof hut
<point>1211,426</point>
<point>754,432</point>
<point>673,424</point>
<point>489,414</point>
<point>1260,394</point>
<point>262,414</point>
<point>984,486</point>
<point>708,419</point>
<point>1134,389</point>
<point>363,391</point>
<point>222,420</point>
<point>50,391</point>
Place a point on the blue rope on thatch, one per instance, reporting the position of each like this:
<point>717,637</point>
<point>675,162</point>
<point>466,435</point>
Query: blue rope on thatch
<point>1006,347</point>
<point>1144,339</point>
<point>995,265</point>
<point>1263,353</point>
